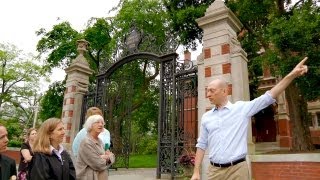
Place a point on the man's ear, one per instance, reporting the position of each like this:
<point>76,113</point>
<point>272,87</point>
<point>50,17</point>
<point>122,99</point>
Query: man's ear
<point>225,90</point>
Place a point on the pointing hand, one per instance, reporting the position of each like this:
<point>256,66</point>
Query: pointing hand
<point>300,68</point>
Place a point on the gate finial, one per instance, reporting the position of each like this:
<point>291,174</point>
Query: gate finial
<point>82,45</point>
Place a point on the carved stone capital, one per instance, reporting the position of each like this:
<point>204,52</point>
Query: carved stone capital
<point>235,45</point>
<point>82,87</point>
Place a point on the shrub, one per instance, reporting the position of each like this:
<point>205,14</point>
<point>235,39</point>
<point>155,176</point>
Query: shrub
<point>14,143</point>
<point>147,145</point>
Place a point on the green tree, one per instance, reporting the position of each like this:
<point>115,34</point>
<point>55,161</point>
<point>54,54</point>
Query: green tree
<point>58,47</point>
<point>151,20</point>
<point>52,101</point>
<point>59,44</point>
<point>293,37</point>
<point>286,36</point>
<point>19,86</point>
<point>19,83</point>
<point>182,19</point>
<point>286,32</point>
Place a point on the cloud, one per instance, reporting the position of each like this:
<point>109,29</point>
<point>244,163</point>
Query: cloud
<point>21,19</point>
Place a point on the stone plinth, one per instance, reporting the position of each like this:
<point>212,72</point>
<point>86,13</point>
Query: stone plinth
<point>285,166</point>
<point>76,86</point>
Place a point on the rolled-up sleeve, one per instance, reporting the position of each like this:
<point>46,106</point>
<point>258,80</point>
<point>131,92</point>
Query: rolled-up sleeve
<point>259,103</point>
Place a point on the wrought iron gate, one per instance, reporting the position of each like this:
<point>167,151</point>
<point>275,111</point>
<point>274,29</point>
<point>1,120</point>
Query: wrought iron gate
<point>177,130</point>
<point>177,118</point>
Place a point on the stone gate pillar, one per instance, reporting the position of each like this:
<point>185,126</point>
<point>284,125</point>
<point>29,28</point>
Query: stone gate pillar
<point>76,86</point>
<point>284,136</point>
<point>222,57</point>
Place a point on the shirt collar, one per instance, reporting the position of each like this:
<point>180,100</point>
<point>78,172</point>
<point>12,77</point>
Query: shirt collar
<point>228,106</point>
<point>57,151</point>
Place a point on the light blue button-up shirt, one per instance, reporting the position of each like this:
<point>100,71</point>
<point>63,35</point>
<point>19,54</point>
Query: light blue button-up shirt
<point>224,131</point>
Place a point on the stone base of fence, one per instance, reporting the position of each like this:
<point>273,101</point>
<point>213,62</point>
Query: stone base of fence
<point>285,166</point>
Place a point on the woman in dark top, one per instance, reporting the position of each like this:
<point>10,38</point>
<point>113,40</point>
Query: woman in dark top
<point>50,160</point>
<point>26,154</point>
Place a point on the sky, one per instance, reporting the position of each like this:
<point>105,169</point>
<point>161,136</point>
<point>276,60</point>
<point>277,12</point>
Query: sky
<point>20,19</point>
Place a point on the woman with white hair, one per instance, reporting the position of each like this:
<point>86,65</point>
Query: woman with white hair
<point>92,160</point>
<point>104,136</point>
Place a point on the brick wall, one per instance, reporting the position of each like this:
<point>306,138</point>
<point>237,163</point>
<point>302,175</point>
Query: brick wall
<point>315,136</point>
<point>285,170</point>
<point>14,154</point>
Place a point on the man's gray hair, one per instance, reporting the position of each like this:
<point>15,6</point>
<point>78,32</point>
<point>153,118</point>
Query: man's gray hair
<point>92,119</point>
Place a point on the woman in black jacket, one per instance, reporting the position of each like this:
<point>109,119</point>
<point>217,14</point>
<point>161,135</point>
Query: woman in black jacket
<point>50,160</point>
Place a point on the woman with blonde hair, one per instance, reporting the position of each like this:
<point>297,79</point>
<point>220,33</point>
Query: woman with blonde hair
<point>26,154</point>
<point>92,160</point>
<point>50,160</point>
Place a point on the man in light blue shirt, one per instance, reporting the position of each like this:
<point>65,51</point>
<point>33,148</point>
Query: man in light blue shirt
<point>224,129</point>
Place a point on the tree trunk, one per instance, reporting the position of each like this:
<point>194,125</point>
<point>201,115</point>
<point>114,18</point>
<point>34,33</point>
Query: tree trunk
<point>298,110</point>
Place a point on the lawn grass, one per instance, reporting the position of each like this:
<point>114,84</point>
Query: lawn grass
<point>143,161</point>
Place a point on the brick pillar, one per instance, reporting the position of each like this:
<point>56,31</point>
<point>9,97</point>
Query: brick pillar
<point>284,131</point>
<point>222,57</point>
<point>76,86</point>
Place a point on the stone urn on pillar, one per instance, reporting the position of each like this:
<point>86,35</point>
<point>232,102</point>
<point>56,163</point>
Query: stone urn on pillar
<point>76,86</point>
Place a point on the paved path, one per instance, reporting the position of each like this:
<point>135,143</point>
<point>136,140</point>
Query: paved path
<point>134,174</point>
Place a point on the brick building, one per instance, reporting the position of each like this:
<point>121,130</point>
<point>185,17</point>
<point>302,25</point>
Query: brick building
<point>273,123</point>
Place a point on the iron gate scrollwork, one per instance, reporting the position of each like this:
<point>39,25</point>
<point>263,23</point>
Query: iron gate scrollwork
<point>177,118</point>
<point>177,122</point>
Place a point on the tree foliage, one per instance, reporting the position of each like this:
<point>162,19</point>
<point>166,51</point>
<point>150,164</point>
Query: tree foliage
<point>19,83</point>
<point>285,35</point>
<point>277,34</point>
<point>106,38</point>
<point>182,19</point>
<point>297,36</point>
<point>99,37</point>
<point>52,101</point>
<point>151,21</point>
<point>59,44</point>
